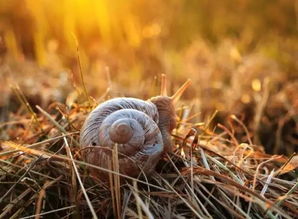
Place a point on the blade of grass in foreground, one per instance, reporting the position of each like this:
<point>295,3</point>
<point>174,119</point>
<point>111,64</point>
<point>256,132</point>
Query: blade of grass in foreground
<point>79,179</point>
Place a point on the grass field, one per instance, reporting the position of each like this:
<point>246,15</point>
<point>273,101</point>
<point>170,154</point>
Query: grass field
<point>237,132</point>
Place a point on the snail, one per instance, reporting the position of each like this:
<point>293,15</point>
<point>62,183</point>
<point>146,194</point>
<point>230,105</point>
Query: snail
<point>141,131</point>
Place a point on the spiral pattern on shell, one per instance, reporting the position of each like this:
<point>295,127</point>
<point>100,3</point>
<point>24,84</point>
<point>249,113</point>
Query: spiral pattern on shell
<point>131,125</point>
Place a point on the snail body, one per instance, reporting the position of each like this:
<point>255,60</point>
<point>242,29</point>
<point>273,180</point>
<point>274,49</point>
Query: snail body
<point>139,129</point>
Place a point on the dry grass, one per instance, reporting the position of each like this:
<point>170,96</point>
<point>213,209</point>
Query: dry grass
<point>236,140</point>
<point>209,175</point>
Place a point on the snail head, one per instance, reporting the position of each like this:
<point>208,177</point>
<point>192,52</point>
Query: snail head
<point>166,109</point>
<point>166,105</point>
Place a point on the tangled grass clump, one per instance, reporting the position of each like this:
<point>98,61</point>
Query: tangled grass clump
<point>209,175</point>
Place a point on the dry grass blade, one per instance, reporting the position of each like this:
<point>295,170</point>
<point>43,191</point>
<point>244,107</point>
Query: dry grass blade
<point>114,180</point>
<point>15,184</point>
<point>80,181</point>
<point>139,202</point>
<point>180,91</point>
<point>291,191</point>
<point>50,212</point>
<point>42,194</point>
<point>10,206</point>
<point>55,123</point>
<point>193,197</point>
<point>81,70</point>
<point>260,108</point>
<point>183,199</point>
<point>9,152</point>
<point>25,102</point>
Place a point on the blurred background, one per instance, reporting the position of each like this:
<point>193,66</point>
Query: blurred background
<point>241,56</point>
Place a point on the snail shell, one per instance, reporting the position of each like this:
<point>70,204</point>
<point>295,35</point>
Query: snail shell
<point>130,123</point>
<point>140,130</point>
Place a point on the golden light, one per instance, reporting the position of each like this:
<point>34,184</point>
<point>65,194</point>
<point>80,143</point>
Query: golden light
<point>151,31</point>
<point>245,98</point>
<point>235,54</point>
<point>256,85</point>
<point>183,153</point>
